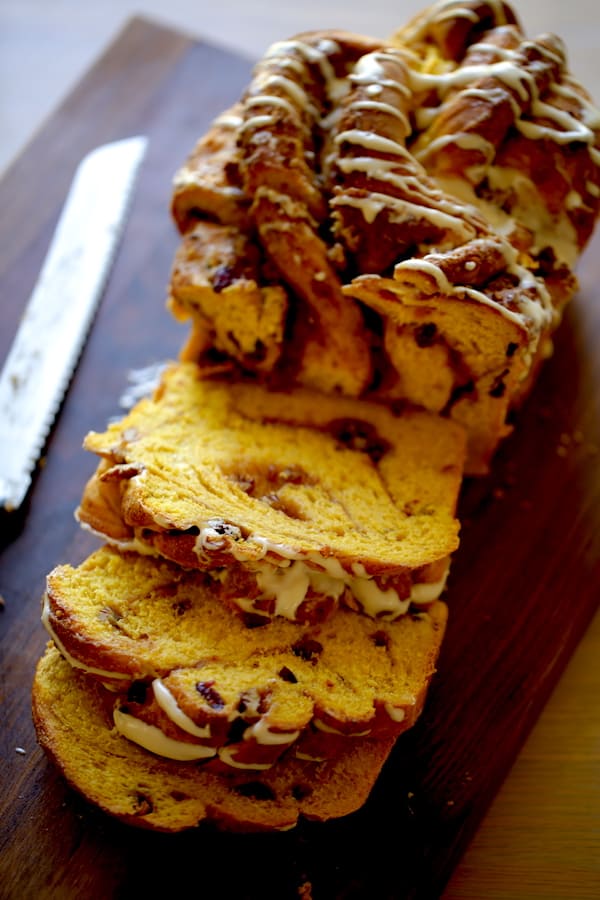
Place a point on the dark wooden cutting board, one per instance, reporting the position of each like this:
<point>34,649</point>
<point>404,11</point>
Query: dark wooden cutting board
<point>523,585</point>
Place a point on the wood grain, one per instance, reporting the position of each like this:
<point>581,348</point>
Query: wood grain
<point>522,590</point>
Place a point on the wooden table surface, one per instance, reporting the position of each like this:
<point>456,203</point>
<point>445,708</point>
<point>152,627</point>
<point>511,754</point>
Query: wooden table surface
<point>517,623</point>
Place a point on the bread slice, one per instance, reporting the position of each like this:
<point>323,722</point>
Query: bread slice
<point>298,499</point>
<point>183,664</point>
<point>144,790</point>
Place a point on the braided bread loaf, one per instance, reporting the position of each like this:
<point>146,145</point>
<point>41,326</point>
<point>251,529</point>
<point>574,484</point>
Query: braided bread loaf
<point>417,205</point>
<point>377,239</point>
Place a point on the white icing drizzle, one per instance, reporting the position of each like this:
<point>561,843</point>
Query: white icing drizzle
<point>590,112</point>
<point>458,14</point>
<point>152,738</point>
<point>316,55</point>
<point>75,663</point>
<point>385,108</point>
<point>130,544</point>
<point>288,62</point>
<point>505,70</point>
<point>546,228</point>
<point>536,311</point>
<point>368,70</point>
<point>290,585</point>
<point>528,209</point>
<point>395,713</point>
<point>378,602</point>
<point>289,86</point>
<point>463,140</point>
<point>210,538</point>
<point>295,92</point>
<point>171,708</point>
<point>450,9</point>
<point>425,592</point>
<point>309,757</point>
<point>226,756</point>
<point>390,172</point>
<point>262,734</point>
<point>264,121</point>
<point>259,731</point>
<point>329,729</point>
<point>228,120</point>
<point>271,100</point>
<point>568,127</point>
<point>399,210</point>
<point>371,141</point>
<point>508,67</point>
<point>294,573</point>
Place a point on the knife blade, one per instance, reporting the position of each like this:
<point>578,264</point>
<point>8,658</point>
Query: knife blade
<point>59,312</point>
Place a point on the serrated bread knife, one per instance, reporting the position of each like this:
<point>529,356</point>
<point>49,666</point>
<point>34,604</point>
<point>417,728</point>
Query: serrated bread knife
<point>58,315</point>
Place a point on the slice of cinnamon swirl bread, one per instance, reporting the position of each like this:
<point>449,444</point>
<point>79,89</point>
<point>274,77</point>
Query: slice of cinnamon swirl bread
<point>293,502</point>
<point>189,679</point>
<point>149,792</point>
